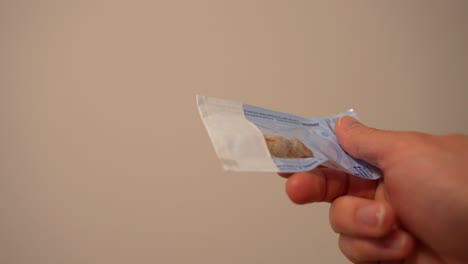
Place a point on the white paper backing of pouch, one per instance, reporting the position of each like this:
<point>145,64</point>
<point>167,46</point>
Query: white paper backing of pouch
<point>239,144</point>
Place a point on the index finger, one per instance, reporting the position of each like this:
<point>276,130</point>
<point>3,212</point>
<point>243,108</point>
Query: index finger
<point>325,185</point>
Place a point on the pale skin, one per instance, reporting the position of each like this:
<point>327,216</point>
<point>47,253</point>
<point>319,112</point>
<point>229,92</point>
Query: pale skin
<point>418,212</point>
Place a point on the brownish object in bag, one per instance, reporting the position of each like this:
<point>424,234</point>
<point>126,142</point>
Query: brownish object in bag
<point>281,147</point>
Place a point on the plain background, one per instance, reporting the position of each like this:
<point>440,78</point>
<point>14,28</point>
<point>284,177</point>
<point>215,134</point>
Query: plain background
<point>104,159</point>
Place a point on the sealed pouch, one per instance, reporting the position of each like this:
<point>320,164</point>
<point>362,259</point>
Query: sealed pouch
<point>253,139</point>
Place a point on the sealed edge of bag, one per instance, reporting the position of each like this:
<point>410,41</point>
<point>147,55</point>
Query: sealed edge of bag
<point>238,143</point>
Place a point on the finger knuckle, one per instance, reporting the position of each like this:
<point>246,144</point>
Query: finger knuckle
<point>336,222</point>
<point>349,250</point>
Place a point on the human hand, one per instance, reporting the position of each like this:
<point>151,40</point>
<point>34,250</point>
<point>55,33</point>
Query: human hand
<point>418,212</point>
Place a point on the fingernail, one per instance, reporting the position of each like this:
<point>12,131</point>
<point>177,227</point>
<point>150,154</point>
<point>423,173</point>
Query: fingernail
<point>396,240</point>
<point>370,215</point>
<point>347,122</point>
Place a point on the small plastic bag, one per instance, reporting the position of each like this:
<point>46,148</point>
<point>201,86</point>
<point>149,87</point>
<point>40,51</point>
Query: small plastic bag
<point>254,139</point>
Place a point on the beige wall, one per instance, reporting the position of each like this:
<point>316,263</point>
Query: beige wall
<point>103,158</point>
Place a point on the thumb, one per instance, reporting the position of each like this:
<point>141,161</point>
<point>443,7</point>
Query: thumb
<point>365,143</point>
